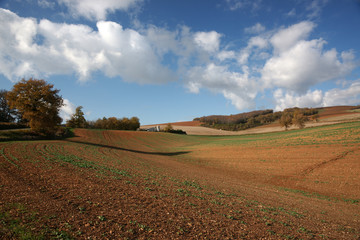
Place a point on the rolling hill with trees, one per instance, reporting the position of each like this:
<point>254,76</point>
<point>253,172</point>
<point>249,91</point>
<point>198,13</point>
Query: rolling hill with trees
<point>242,121</point>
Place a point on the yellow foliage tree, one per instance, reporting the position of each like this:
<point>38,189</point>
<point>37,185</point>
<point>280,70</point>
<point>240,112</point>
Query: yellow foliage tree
<point>299,119</point>
<point>168,128</point>
<point>285,120</point>
<point>38,103</point>
<point>77,120</point>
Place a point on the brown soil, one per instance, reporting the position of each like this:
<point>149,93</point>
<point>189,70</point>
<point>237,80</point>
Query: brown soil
<point>336,111</point>
<point>140,185</point>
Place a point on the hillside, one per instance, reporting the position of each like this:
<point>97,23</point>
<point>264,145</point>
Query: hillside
<point>327,116</point>
<point>301,184</point>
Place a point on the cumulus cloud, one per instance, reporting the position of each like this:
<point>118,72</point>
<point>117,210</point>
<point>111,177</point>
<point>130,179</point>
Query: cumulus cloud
<point>305,65</point>
<point>256,29</point>
<point>163,40</point>
<point>287,61</point>
<point>95,9</point>
<point>68,48</point>
<point>224,55</point>
<point>209,41</point>
<point>317,98</point>
<point>292,63</point>
<point>298,64</point>
<point>235,86</point>
<point>16,43</point>
<point>180,42</point>
<point>291,99</point>
<point>254,45</point>
<point>286,38</point>
<point>347,96</point>
<point>129,54</point>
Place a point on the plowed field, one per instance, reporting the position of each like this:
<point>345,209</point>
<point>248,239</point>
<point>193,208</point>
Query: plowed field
<point>301,184</point>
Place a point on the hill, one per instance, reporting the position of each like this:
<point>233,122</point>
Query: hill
<point>110,184</point>
<point>327,116</point>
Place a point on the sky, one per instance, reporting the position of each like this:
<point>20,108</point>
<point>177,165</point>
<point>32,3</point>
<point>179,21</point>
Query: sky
<point>175,60</point>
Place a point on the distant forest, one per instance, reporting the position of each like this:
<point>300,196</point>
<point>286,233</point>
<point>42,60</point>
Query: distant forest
<point>252,119</point>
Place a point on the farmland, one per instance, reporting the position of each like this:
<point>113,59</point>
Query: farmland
<point>104,184</point>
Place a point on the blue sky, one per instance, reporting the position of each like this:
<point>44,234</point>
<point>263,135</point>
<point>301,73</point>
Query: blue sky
<point>167,60</point>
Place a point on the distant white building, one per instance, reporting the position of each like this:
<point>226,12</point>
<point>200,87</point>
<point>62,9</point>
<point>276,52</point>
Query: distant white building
<point>154,129</point>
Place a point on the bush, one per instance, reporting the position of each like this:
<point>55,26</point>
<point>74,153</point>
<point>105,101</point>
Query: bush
<point>64,132</point>
<point>169,128</point>
<point>177,131</point>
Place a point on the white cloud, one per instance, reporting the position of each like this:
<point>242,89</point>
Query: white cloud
<point>286,38</point>
<point>316,98</point>
<point>285,59</point>
<point>24,32</point>
<point>46,4</point>
<point>256,29</point>
<point>237,4</point>
<point>315,7</point>
<point>209,41</point>
<point>69,48</point>
<point>16,40</point>
<point>95,9</point>
<point>289,61</point>
<point>130,55</point>
<point>292,99</point>
<point>224,55</point>
<point>347,96</point>
<point>305,65</point>
<point>235,86</point>
<point>254,45</point>
<point>67,110</point>
<point>244,56</point>
<point>258,42</point>
<point>163,40</point>
<point>298,64</point>
<point>295,65</point>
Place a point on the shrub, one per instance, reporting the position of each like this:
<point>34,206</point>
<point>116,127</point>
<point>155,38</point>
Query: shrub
<point>169,128</point>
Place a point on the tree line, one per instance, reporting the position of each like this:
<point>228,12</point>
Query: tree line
<point>239,121</point>
<point>36,104</point>
<point>242,121</point>
<point>78,120</point>
<point>115,123</point>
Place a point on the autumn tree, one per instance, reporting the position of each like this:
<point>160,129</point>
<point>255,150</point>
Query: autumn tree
<point>38,103</point>
<point>134,123</point>
<point>299,119</point>
<point>77,120</point>
<point>112,123</point>
<point>285,120</point>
